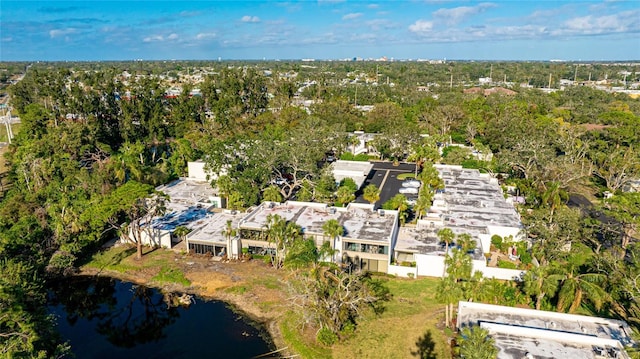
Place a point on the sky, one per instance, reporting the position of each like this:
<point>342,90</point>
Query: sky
<point>325,29</point>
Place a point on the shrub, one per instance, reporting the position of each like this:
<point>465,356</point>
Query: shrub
<point>326,337</point>
<point>506,264</point>
<point>61,262</point>
<point>496,241</point>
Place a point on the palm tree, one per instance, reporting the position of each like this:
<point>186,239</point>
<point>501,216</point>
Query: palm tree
<point>448,292</point>
<point>371,193</point>
<point>333,229</point>
<point>423,203</point>
<point>576,285</point>
<point>446,235</point>
<point>282,234</point>
<point>539,282</point>
<point>553,196</point>
<point>466,243</point>
<point>344,195</point>
<point>426,151</point>
<point>475,343</point>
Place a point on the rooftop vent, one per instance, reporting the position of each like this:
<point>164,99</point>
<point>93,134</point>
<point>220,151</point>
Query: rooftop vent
<point>332,210</point>
<point>381,212</point>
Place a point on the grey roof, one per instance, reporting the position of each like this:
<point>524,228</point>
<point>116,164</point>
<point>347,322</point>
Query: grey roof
<point>359,221</point>
<point>543,334</point>
<point>470,203</point>
<point>474,200</point>
<point>426,241</point>
<point>211,229</point>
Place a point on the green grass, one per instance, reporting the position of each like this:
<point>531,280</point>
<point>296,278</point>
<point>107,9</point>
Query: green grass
<point>171,275</point>
<point>294,339</point>
<point>407,328</point>
<point>238,289</point>
<point>404,176</point>
<point>112,259</point>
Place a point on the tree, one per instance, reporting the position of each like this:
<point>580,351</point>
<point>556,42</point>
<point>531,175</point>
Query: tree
<point>625,208</point>
<point>371,193</point>
<point>540,283</point>
<point>141,214</point>
<point>282,234</point>
<point>399,203</point>
<point>475,343</point>
<point>344,195</point>
<point>181,232</point>
<point>335,301</point>
<point>448,292</point>
<point>333,229</point>
<point>577,285</point>
<point>424,151</point>
<point>446,235</point>
<point>272,194</point>
<point>617,167</point>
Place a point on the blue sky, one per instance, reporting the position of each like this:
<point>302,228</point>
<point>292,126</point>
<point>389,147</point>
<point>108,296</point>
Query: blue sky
<point>324,29</point>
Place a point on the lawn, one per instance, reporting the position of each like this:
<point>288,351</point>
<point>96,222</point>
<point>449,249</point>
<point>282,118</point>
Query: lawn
<point>407,328</point>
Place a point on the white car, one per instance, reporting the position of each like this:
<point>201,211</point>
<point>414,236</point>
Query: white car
<point>411,183</point>
<point>408,190</point>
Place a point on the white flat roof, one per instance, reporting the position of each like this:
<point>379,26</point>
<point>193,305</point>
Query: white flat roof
<point>212,227</point>
<point>359,222</point>
<point>470,313</point>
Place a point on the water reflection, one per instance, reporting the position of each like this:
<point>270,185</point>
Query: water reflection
<point>106,318</point>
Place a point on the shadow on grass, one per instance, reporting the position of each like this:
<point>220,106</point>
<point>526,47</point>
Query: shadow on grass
<point>426,347</point>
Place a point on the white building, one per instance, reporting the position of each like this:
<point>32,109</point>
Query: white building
<point>471,203</point>
<point>527,333</point>
<point>356,170</point>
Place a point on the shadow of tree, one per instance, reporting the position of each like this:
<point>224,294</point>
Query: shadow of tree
<point>426,347</point>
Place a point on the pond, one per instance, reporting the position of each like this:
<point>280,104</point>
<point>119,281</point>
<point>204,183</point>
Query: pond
<point>106,318</point>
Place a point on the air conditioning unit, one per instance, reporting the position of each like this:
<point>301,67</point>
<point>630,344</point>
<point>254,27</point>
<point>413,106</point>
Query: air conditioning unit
<point>381,212</point>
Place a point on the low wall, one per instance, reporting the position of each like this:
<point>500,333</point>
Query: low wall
<point>502,273</point>
<point>402,271</point>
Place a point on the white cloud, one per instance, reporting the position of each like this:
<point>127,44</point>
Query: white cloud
<point>373,6</point>
<point>172,36</point>
<point>7,39</point>
<point>206,35</point>
<point>61,32</point>
<point>421,26</point>
<point>626,21</point>
<point>153,38</point>
<point>248,18</point>
<point>351,16</point>
<point>456,15</point>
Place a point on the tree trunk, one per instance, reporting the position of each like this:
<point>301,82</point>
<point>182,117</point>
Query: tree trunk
<point>576,301</point>
<point>446,315</point>
<point>139,250</point>
<point>539,300</point>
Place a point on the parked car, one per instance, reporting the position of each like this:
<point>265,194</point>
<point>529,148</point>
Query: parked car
<point>411,183</point>
<point>408,190</point>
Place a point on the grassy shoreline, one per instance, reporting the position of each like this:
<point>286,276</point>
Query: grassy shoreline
<point>410,326</point>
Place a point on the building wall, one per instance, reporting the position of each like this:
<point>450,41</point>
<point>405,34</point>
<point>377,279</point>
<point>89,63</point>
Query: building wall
<point>402,271</point>
<point>429,265</point>
<point>160,238</point>
<point>197,172</point>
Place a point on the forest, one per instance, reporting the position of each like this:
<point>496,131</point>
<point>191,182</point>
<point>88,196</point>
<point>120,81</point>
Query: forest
<point>96,137</point>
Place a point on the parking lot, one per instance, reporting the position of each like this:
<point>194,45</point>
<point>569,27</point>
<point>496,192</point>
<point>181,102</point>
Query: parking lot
<point>385,176</point>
